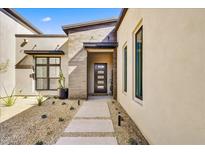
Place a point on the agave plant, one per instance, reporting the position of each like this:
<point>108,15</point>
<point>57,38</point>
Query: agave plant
<point>39,99</point>
<point>9,100</point>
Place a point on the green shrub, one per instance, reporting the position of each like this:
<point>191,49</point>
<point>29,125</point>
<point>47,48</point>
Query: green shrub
<point>49,133</point>
<point>39,143</point>
<point>55,97</point>
<point>63,103</point>
<point>39,99</point>
<point>60,119</point>
<point>25,97</point>
<point>72,108</point>
<point>9,100</point>
<point>132,141</point>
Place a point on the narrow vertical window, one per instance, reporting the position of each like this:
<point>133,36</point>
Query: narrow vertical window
<point>138,63</point>
<point>125,69</point>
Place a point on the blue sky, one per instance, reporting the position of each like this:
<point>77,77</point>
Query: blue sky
<point>49,21</point>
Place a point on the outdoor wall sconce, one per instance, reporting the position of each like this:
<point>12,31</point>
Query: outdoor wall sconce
<point>34,46</point>
<point>91,38</point>
<point>57,47</point>
<point>25,41</point>
<point>32,75</point>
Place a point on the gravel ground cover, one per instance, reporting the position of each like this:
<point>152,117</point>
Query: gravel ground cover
<point>128,132</point>
<point>39,124</point>
<point>21,104</point>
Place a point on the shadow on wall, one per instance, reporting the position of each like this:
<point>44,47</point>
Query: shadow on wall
<point>79,59</point>
<point>111,37</point>
<point>78,78</point>
<point>64,47</point>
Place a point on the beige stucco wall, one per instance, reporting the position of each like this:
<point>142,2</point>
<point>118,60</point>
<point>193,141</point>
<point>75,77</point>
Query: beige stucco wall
<point>77,56</point>
<point>99,57</point>
<point>8,28</point>
<point>172,110</point>
<point>26,83</point>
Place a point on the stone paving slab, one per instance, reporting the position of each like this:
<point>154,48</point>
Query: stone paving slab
<point>87,134</point>
<point>93,109</point>
<point>87,141</point>
<point>90,125</point>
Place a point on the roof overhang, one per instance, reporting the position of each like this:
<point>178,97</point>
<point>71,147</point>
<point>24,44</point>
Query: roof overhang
<point>44,52</point>
<point>100,45</point>
<point>89,25</point>
<point>42,35</point>
<point>20,19</point>
<point>121,17</point>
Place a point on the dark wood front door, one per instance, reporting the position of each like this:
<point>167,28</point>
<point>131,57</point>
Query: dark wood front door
<point>100,76</point>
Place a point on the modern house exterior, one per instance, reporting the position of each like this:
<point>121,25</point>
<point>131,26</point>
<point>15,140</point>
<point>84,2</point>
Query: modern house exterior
<point>83,46</point>
<point>150,60</point>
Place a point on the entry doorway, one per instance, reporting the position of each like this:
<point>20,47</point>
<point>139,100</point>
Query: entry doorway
<point>100,78</point>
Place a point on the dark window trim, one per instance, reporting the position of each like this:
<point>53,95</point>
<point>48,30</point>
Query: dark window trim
<point>48,78</point>
<point>125,69</point>
<point>136,96</point>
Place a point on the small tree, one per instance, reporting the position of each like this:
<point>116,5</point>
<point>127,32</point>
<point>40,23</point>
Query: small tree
<point>61,80</point>
<point>63,92</point>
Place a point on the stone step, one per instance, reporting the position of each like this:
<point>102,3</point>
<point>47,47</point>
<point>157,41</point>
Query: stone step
<point>90,125</point>
<point>87,141</point>
<point>94,109</point>
<point>88,134</point>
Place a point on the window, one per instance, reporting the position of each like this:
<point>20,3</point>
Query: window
<point>138,63</point>
<point>47,71</point>
<point>125,69</point>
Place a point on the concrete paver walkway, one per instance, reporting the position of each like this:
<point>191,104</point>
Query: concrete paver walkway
<point>92,109</point>
<point>87,141</point>
<point>90,125</point>
<point>93,118</point>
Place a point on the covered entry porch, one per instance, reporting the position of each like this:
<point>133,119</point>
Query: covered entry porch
<point>101,68</point>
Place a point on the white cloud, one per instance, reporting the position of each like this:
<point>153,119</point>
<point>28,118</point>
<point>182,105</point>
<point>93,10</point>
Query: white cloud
<point>46,19</point>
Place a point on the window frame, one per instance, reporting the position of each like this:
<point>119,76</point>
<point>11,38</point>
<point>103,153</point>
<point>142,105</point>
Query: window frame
<point>124,76</point>
<point>140,29</point>
<point>47,73</point>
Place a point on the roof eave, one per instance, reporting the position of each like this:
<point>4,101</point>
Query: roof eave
<point>66,28</point>
<point>44,52</point>
<point>121,17</point>
<point>98,45</point>
<point>16,16</point>
<point>41,35</point>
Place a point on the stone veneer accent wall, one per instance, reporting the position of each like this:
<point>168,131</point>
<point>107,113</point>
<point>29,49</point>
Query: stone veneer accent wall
<point>78,58</point>
<point>78,77</point>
